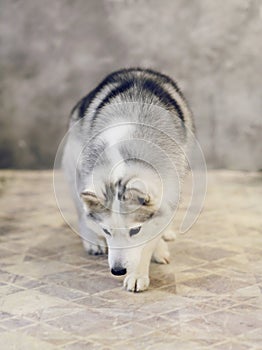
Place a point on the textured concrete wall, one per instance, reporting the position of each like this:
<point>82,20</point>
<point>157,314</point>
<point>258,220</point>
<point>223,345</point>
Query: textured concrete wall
<point>53,52</point>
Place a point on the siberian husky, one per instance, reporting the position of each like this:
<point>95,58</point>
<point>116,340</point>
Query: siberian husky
<point>125,159</point>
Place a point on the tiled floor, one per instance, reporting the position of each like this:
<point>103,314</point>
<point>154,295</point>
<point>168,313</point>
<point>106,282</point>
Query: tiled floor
<point>54,296</point>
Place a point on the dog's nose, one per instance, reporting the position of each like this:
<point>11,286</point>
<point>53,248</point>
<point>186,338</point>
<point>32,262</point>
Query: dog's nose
<point>118,271</point>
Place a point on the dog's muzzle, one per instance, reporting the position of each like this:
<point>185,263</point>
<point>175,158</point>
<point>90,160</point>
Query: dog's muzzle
<point>118,271</point>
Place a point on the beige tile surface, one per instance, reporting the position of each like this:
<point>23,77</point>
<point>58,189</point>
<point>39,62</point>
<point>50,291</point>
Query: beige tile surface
<point>27,301</point>
<point>54,296</point>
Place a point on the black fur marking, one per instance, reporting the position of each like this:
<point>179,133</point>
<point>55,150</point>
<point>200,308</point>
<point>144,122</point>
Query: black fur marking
<point>134,231</point>
<point>163,96</point>
<point>151,215</point>
<point>126,85</point>
<point>82,105</point>
<point>155,74</point>
<point>166,80</point>
<point>93,216</point>
<point>128,73</point>
<point>109,192</point>
<point>85,103</point>
<point>126,79</point>
<point>121,190</point>
<point>106,231</point>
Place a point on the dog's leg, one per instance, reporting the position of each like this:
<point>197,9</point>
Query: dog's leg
<point>161,254</point>
<point>93,244</point>
<point>99,248</point>
<point>169,235</point>
<point>138,280</point>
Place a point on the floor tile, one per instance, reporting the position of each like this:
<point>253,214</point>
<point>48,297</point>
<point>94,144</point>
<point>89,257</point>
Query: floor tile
<point>27,301</point>
<point>21,341</point>
<point>55,296</point>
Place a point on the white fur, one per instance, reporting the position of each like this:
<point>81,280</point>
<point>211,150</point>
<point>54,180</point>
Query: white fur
<point>115,133</point>
<point>158,139</point>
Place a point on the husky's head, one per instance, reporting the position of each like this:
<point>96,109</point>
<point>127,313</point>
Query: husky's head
<point>127,213</point>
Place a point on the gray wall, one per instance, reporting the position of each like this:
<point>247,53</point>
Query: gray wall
<point>53,51</point>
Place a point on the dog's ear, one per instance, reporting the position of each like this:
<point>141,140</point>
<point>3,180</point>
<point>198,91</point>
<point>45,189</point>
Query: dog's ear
<point>91,199</point>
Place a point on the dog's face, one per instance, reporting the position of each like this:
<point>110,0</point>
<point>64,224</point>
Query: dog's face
<point>125,212</point>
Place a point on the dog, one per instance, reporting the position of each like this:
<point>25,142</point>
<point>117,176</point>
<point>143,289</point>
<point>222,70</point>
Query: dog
<point>125,161</point>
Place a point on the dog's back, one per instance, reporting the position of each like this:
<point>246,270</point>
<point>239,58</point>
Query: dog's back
<point>144,105</point>
<point>134,85</point>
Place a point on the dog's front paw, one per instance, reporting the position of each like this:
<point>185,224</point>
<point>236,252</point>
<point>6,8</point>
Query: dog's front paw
<point>136,283</point>
<point>161,254</point>
<point>95,249</point>
<point>169,235</point>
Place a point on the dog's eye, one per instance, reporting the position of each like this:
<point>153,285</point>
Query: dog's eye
<point>134,231</point>
<point>143,201</point>
<point>106,231</point>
